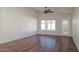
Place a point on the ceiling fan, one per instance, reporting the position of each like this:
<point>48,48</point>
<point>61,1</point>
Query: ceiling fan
<point>47,10</point>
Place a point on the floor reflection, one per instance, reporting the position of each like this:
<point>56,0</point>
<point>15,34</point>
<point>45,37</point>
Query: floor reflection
<point>47,43</point>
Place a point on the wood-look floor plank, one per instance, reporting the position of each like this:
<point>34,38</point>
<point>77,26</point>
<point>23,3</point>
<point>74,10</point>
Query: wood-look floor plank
<point>40,43</point>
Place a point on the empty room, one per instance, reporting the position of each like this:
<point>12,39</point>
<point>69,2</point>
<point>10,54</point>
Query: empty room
<point>39,29</point>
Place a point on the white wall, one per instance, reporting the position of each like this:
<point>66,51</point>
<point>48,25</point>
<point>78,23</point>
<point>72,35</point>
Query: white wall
<point>17,23</point>
<point>75,26</point>
<point>59,17</point>
<point>0,23</point>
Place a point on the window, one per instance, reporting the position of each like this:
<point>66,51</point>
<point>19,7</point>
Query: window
<point>47,24</point>
<point>43,25</point>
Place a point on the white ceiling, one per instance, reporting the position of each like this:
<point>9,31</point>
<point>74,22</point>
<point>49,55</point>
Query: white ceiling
<point>55,9</point>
